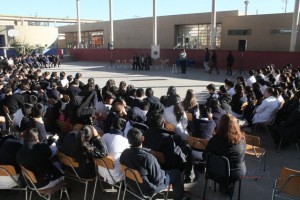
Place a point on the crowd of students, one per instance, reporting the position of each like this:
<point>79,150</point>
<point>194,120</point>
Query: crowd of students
<point>58,112</point>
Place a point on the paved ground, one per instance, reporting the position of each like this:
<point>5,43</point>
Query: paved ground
<point>197,80</point>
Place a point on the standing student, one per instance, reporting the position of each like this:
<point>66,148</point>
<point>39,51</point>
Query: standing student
<point>183,58</point>
<point>230,61</point>
<point>214,59</point>
<point>206,60</point>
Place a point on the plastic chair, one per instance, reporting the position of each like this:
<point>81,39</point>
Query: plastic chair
<point>117,63</point>
<point>218,170</point>
<point>72,174</point>
<point>135,176</point>
<point>170,127</point>
<point>174,69</point>
<point>9,171</point>
<point>197,144</point>
<point>287,185</point>
<point>253,150</point>
<point>108,164</point>
<point>30,180</point>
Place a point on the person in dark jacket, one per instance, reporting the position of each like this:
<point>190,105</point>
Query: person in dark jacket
<point>230,61</point>
<point>237,101</point>
<point>214,60</point>
<point>8,152</point>
<point>39,158</point>
<point>229,141</point>
<point>204,126</point>
<point>217,111</point>
<point>83,146</point>
<point>154,178</point>
<point>224,99</point>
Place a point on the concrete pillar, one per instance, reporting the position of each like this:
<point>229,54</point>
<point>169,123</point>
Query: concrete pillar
<point>154,24</point>
<point>78,25</point>
<point>213,25</point>
<point>295,26</point>
<point>111,22</point>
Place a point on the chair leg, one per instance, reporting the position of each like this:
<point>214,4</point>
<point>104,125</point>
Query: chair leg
<point>204,193</point>
<point>279,146</point>
<point>124,191</point>
<point>215,186</point>
<point>96,180</point>
<point>119,192</point>
<point>26,194</point>
<point>85,191</point>
<point>240,188</point>
<point>66,192</point>
<point>30,194</point>
<point>265,161</point>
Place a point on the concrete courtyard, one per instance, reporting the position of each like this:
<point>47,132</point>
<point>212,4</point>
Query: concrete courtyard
<point>197,80</point>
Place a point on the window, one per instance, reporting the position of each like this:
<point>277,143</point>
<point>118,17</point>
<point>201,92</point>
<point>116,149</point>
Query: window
<point>240,32</point>
<point>196,36</point>
<point>89,39</point>
<point>2,41</point>
<point>283,31</point>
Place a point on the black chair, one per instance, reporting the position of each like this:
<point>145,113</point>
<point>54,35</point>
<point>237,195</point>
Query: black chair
<point>218,170</point>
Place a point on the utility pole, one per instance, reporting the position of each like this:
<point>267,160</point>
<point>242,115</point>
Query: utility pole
<point>78,25</point>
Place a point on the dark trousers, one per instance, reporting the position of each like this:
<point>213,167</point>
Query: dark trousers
<point>183,66</point>
<point>174,177</point>
<point>214,65</point>
<point>229,70</point>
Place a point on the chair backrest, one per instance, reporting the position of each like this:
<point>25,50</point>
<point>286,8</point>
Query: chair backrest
<point>189,116</point>
<point>67,161</point>
<point>289,182</point>
<point>252,140</point>
<point>106,162</point>
<point>159,156</point>
<point>217,167</point>
<point>197,143</point>
<point>7,170</point>
<point>132,174</point>
<point>170,127</point>
<point>29,175</point>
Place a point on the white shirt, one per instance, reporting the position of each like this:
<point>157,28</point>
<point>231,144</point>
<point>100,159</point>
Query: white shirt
<point>264,112</point>
<point>102,109</point>
<point>231,91</point>
<point>116,144</point>
<point>251,80</point>
<point>180,127</point>
<point>64,82</point>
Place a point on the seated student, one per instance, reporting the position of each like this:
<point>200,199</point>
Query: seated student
<point>116,143</point>
<point>175,115</point>
<point>103,107</point>
<point>204,126</point>
<point>224,99</point>
<point>212,92</point>
<point>154,178</point>
<point>229,141</point>
<point>217,111</point>
<point>136,117</point>
<point>83,146</point>
<point>238,99</point>
<point>160,139</point>
<point>289,129</point>
<point>39,158</point>
<point>264,112</point>
<point>118,109</point>
<point>8,156</point>
<point>252,78</point>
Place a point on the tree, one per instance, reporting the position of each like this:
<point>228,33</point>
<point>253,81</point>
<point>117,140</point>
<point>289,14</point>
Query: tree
<point>22,47</point>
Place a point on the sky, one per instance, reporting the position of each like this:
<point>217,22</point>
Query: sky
<point>126,9</point>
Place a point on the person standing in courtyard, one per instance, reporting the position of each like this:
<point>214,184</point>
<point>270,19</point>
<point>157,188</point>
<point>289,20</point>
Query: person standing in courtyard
<point>206,60</point>
<point>183,58</point>
<point>214,60</point>
<point>230,61</point>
